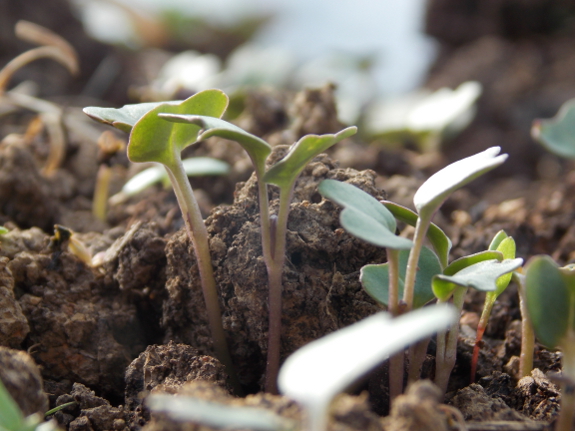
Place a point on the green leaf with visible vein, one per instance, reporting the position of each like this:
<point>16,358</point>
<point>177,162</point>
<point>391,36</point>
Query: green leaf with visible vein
<point>153,139</point>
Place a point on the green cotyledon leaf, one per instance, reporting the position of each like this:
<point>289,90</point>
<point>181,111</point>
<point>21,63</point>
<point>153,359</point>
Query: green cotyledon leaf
<point>557,134</point>
<point>125,117</point>
<point>375,278</point>
<point>285,172</point>
<point>363,216</point>
<point>480,276</point>
<point>257,148</point>
<point>153,139</point>
<point>433,192</point>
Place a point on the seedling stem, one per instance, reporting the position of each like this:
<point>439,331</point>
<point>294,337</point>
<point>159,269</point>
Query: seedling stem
<point>198,234</point>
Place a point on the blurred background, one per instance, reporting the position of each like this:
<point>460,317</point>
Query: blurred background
<point>385,58</point>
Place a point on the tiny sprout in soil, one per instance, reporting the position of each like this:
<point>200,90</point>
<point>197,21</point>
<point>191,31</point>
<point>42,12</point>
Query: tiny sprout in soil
<point>414,270</point>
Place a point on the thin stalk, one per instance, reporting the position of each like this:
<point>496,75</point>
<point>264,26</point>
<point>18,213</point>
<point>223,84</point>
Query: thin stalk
<point>481,327</point>
<point>421,227</point>
<point>413,261</point>
<point>198,234</point>
<point>418,354</point>
<point>446,362</point>
<point>396,362</point>
<point>393,265</point>
<point>100,200</point>
<point>527,334</point>
<point>275,272</point>
<point>567,412</point>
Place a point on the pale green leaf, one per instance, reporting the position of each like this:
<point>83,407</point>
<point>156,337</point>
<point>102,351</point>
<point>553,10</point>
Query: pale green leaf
<point>433,192</point>
<point>154,139</point>
<point>558,133</point>
<point>375,278</point>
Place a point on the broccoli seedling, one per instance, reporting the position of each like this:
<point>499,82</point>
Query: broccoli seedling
<point>413,271</point>
<point>273,226</point>
<point>367,219</point>
<point>550,297</point>
<point>506,245</point>
<point>479,271</point>
<point>317,372</point>
<point>154,140</point>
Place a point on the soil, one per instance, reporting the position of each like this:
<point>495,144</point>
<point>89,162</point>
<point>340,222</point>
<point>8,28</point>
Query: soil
<point>108,335</point>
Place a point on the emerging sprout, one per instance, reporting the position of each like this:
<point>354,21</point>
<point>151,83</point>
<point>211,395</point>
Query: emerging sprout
<point>506,245</point>
<point>477,272</point>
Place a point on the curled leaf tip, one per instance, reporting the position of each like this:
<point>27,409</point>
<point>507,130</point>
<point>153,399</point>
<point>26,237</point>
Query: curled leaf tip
<point>440,185</point>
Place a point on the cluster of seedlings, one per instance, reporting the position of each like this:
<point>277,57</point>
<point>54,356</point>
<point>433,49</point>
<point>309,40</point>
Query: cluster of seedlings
<point>414,275</point>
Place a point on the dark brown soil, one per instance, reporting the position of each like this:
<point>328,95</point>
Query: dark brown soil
<point>107,336</point>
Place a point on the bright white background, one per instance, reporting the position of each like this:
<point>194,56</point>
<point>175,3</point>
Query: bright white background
<point>390,30</point>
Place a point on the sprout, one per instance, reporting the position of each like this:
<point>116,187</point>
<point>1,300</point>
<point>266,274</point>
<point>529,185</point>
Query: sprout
<point>273,226</point>
<point>479,272</point>
<point>506,245</point>
<point>154,140</point>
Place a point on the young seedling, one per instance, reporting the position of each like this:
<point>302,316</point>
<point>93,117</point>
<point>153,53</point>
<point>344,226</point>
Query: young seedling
<point>367,219</point>
<point>273,226</point>
<point>506,245</point>
<point>12,419</point>
<point>480,271</point>
<point>558,133</point>
<point>154,140</point>
<point>550,297</point>
<point>317,372</point>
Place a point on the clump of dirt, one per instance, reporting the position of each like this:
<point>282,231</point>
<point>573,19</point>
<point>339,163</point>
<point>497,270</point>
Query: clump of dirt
<point>21,377</point>
<point>84,326</point>
<point>321,289</point>
<point>166,368</point>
